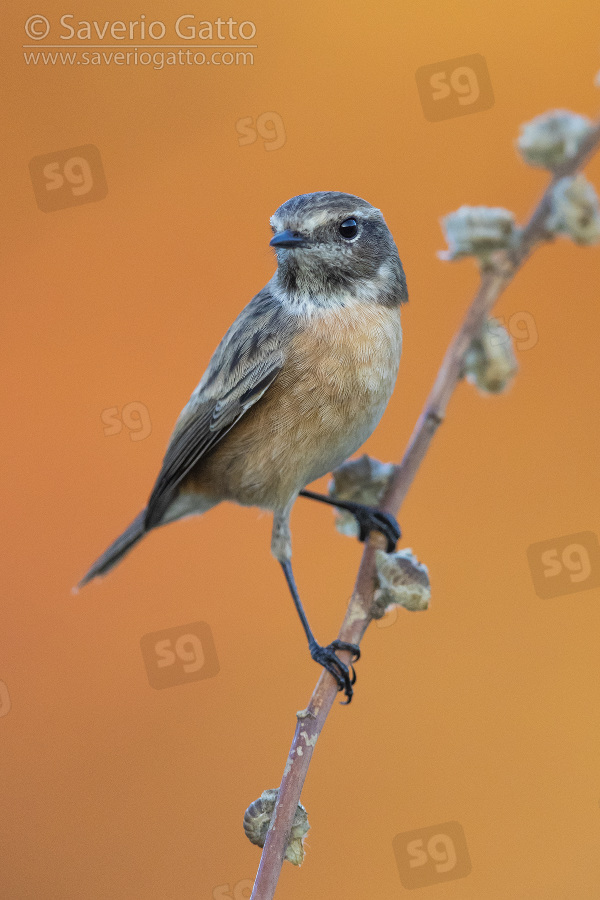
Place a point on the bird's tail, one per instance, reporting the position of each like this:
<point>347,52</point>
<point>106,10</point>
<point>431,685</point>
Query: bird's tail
<point>117,550</point>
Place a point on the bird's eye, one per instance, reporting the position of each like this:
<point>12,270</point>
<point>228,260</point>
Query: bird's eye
<point>349,228</point>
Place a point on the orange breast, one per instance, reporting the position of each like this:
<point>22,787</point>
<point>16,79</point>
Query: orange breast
<point>338,376</point>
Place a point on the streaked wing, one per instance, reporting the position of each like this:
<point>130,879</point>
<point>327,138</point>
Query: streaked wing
<point>243,367</point>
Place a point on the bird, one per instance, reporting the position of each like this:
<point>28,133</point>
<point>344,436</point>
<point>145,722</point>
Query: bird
<point>297,384</point>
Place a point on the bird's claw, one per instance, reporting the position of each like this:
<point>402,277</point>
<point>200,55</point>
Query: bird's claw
<point>370,519</point>
<point>326,657</point>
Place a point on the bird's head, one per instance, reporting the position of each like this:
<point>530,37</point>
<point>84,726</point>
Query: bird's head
<point>333,247</point>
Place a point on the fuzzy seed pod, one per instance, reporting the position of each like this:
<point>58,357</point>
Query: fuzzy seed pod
<point>575,210</point>
<point>552,138</point>
<point>362,480</point>
<point>490,362</point>
<point>257,819</point>
<point>403,581</point>
<point>478,231</point>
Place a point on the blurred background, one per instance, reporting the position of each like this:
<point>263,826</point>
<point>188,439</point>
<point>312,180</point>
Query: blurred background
<point>140,717</point>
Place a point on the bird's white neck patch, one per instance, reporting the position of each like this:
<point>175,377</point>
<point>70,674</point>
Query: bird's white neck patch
<point>310,303</point>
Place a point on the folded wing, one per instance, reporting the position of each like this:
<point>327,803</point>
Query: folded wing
<point>242,369</point>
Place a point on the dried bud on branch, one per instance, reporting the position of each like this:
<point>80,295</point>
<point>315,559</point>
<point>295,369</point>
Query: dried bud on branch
<point>362,480</point>
<point>257,819</point>
<point>490,362</point>
<point>478,231</point>
<point>403,581</point>
<point>575,210</point>
<point>553,138</point>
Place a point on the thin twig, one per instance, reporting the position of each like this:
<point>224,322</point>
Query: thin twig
<point>358,615</point>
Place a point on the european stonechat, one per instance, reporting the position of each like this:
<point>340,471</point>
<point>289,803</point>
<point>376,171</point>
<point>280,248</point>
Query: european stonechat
<point>297,384</point>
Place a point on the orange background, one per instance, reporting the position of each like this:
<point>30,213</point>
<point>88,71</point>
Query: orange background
<point>484,709</point>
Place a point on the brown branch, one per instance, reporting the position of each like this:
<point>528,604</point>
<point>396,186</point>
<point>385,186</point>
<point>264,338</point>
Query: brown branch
<point>358,616</point>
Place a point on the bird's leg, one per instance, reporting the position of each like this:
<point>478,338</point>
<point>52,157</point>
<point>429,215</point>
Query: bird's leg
<point>325,656</point>
<point>369,518</point>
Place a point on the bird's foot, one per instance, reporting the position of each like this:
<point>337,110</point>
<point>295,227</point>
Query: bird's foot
<point>326,657</point>
<point>371,519</point>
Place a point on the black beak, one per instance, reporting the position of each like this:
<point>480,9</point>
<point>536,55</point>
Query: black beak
<point>288,239</point>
